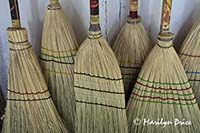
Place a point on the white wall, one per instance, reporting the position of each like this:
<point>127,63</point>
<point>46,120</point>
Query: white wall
<point>113,15</point>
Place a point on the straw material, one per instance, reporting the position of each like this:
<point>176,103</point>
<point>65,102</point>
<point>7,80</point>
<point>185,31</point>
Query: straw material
<point>59,46</point>
<point>190,57</point>
<point>29,106</point>
<point>131,48</point>
<point>100,98</point>
<point>162,91</point>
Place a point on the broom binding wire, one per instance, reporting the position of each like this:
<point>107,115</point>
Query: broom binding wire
<point>165,37</point>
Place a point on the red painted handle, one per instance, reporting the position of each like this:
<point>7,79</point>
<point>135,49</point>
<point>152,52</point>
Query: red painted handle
<point>133,9</point>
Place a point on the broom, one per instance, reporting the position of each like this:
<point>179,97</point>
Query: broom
<point>98,85</point>
<point>59,46</point>
<point>131,48</point>
<point>29,106</point>
<point>190,57</point>
<point>162,99</point>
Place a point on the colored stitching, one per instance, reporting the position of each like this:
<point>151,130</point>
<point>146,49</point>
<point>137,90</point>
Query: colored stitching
<point>130,67</point>
<point>129,63</point>
<point>70,63</point>
<point>129,74</point>
<point>160,88</point>
<point>92,82</point>
<point>193,72</point>
<point>175,84</point>
<point>165,47</point>
<point>54,8</point>
<point>160,98</point>
<point>85,74</point>
<point>194,80</point>
<point>29,100</point>
<point>163,102</point>
<point>52,71</point>
<point>58,56</point>
<point>130,78</point>
<point>195,56</point>
<point>20,49</point>
<point>99,104</point>
<point>163,93</point>
<point>26,93</point>
<point>63,51</point>
<point>99,90</point>
<point>17,42</point>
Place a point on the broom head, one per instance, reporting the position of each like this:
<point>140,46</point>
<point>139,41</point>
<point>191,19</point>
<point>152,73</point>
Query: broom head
<point>190,57</point>
<point>162,94</point>
<point>100,98</point>
<point>59,47</point>
<point>29,105</point>
<point>131,48</point>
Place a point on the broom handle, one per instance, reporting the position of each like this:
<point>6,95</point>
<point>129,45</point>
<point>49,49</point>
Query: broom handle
<point>94,15</point>
<point>133,9</point>
<point>14,11</point>
<point>54,1</point>
<point>166,16</point>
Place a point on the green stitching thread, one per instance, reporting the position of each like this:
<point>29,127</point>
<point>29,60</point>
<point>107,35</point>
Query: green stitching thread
<point>176,84</point>
<point>58,56</point>
<point>164,93</point>
<point>163,102</point>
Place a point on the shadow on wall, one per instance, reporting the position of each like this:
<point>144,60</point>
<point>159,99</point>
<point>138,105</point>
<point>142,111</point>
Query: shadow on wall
<point>116,32</point>
<point>72,14</point>
<point>3,66</point>
<point>189,21</point>
<point>182,33</point>
<point>35,26</point>
<point>185,23</point>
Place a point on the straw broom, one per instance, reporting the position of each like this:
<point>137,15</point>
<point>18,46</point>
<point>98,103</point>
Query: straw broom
<point>162,95</point>
<point>29,106</point>
<point>59,46</point>
<point>131,48</point>
<point>100,98</point>
<point>190,57</point>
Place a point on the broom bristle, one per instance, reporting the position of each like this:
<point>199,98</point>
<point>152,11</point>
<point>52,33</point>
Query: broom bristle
<point>131,48</point>
<point>59,47</point>
<point>100,98</point>
<point>162,94</point>
<point>29,105</point>
<point>190,57</point>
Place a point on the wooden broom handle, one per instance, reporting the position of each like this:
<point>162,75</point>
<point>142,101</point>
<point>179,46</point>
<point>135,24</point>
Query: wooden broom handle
<point>133,9</point>
<point>166,16</point>
<point>94,11</point>
<point>14,11</point>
